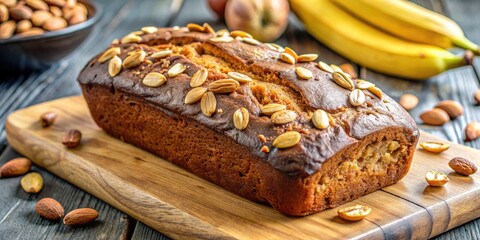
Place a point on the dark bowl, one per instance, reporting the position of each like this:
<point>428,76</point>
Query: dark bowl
<point>35,52</point>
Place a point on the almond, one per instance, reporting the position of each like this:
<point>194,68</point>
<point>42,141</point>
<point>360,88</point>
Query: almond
<point>3,13</point>
<point>476,97</point>
<point>20,12</point>
<point>55,23</point>
<point>41,17</point>
<point>23,26</point>
<point>37,5</point>
<point>9,3</point>
<point>77,18</point>
<point>56,11</point>
<point>7,29</point>
<point>32,32</point>
<point>80,216</point>
<point>472,131</point>
<point>463,166</point>
<point>49,208</point>
<point>32,182</point>
<point>56,3</point>
<point>452,108</point>
<point>408,101</point>
<point>15,167</point>
<point>435,117</point>
<point>350,69</point>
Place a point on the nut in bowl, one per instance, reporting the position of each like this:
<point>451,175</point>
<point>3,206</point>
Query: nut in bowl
<point>36,34</point>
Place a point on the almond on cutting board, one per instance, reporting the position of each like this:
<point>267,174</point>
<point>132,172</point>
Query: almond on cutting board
<point>463,166</point>
<point>452,108</point>
<point>354,213</point>
<point>436,179</point>
<point>435,117</point>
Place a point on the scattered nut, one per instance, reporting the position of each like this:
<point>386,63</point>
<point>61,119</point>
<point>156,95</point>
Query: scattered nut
<point>47,119</point>
<point>80,216</point>
<point>72,138</point>
<point>32,182</point>
<point>452,108</point>
<point>436,179</point>
<point>476,97</point>
<point>434,147</point>
<point>408,101</point>
<point>472,131</point>
<point>435,117</point>
<point>262,138</point>
<point>463,166</point>
<point>49,208</point>
<point>15,167</point>
<point>354,213</point>
<point>265,149</point>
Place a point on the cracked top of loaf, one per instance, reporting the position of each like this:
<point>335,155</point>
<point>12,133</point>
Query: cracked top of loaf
<point>274,79</point>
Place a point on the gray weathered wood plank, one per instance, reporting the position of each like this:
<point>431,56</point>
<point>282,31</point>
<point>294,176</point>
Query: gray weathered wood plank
<point>18,219</point>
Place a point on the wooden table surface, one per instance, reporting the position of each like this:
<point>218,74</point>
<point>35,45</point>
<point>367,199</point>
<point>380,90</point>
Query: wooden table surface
<point>17,217</point>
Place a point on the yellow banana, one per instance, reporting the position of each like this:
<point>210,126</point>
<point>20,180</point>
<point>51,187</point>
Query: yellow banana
<point>369,46</point>
<point>410,21</point>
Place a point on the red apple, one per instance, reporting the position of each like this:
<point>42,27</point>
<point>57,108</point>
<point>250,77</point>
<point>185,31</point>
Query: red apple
<point>218,7</point>
<point>266,20</point>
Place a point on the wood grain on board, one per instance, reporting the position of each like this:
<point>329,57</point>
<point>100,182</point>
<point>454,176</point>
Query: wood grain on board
<point>181,205</point>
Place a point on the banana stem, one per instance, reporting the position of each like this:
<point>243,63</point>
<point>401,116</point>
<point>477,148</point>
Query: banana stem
<point>465,43</point>
<point>468,57</point>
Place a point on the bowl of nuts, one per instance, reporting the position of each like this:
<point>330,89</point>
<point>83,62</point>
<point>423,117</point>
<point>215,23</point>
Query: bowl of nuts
<point>37,33</point>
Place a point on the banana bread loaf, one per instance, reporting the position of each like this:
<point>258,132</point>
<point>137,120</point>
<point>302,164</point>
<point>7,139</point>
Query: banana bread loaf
<point>255,118</point>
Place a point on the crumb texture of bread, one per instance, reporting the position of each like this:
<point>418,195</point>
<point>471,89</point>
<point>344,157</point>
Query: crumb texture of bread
<point>365,148</point>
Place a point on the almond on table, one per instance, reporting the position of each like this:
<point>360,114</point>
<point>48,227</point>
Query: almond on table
<point>49,208</point>
<point>408,101</point>
<point>15,167</point>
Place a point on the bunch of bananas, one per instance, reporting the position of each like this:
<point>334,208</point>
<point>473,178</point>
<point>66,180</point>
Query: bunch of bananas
<point>395,37</point>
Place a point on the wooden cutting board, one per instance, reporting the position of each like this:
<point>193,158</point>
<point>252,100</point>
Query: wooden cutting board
<point>181,205</point>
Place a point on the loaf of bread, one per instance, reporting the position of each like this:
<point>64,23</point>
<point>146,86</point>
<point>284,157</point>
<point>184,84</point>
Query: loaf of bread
<point>254,118</point>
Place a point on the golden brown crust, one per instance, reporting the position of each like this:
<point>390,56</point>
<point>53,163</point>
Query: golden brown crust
<point>288,179</point>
